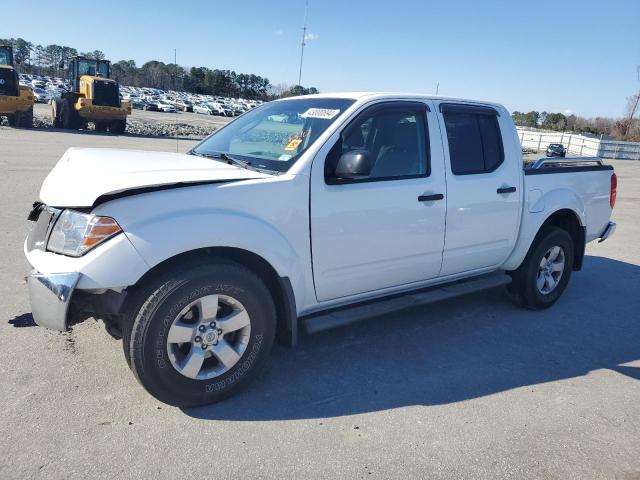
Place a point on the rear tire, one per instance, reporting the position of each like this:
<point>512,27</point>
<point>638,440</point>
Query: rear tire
<point>26,118</point>
<point>544,273</point>
<point>177,302</point>
<point>118,126</point>
<point>22,119</point>
<point>12,119</point>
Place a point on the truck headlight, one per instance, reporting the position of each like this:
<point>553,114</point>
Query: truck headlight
<point>75,233</point>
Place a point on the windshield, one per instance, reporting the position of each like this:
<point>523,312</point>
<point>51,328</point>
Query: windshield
<point>103,69</point>
<point>274,135</point>
<point>86,67</point>
<point>5,56</point>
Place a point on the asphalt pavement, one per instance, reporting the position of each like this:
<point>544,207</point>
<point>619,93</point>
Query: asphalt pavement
<point>470,388</point>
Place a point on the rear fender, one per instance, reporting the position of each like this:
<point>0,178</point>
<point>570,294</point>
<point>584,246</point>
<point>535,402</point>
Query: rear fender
<point>536,212</point>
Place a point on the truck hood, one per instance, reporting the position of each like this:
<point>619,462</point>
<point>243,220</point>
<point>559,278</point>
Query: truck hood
<point>83,175</point>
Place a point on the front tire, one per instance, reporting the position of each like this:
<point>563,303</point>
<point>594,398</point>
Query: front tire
<point>201,333</point>
<point>55,114</point>
<point>69,117</point>
<point>544,273</point>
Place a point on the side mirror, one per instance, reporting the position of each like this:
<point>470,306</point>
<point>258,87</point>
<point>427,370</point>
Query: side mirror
<point>354,164</point>
<point>61,64</point>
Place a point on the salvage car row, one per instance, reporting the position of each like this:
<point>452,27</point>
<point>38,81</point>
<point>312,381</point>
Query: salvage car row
<point>46,88</point>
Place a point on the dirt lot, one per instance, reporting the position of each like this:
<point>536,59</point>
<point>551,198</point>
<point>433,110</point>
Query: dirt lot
<point>472,388</point>
<point>142,122</point>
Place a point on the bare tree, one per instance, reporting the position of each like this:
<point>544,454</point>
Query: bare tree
<point>632,108</point>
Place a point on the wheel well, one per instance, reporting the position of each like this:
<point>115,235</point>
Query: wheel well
<point>279,287</point>
<point>568,220</point>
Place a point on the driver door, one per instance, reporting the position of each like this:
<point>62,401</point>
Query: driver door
<point>387,229</point>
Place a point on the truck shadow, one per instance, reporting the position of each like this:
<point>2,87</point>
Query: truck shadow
<point>450,352</point>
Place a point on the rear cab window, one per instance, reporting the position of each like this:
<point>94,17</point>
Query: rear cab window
<point>474,137</point>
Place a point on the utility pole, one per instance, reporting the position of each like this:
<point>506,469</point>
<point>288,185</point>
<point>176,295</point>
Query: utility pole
<point>304,36</point>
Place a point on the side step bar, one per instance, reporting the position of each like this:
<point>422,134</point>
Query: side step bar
<point>361,311</point>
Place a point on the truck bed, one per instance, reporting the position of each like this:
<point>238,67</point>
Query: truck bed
<point>587,179</point>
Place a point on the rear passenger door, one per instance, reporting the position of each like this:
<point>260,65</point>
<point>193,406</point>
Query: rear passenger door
<point>483,179</point>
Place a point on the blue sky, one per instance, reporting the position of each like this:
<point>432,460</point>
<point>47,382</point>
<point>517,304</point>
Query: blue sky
<point>577,56</point>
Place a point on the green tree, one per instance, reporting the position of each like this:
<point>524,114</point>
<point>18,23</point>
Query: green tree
<point>555,121</point>
<point>529,119</point>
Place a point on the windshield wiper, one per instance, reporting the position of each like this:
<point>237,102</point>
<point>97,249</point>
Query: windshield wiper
<point>233,161</point>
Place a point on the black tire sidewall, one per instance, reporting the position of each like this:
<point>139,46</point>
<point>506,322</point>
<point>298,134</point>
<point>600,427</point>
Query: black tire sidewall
<point>65,114</point>
<point>148,349</point>
<point>549,238</point>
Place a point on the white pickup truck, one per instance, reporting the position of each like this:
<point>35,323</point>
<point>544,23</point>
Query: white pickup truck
<point>314,211</point>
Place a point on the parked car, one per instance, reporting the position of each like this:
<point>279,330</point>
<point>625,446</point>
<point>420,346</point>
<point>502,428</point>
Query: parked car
<point>184,105</point>
<point>203,108</point>
<point>137,103</point>
<point>556,150</point>
<point>166,107</point>
<point>237,109</point>
<point>199,261</point>
<point>151,106</point>
<point>218,109</point>
<point>40,95</point>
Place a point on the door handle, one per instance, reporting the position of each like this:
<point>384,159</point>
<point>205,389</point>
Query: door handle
<point>430,198</point>
<point>506,189</point>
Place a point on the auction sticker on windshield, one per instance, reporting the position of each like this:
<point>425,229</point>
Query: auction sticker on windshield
<point>293,144</point>
<point>326,113</point>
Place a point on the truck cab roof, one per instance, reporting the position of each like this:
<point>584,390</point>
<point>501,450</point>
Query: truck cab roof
<point>395,95</point>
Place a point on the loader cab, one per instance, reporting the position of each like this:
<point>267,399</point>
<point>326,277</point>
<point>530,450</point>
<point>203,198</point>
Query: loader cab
<point>79,66</point>
<point>98,86</point>
<point>9,83</point>
<point>6,55</point>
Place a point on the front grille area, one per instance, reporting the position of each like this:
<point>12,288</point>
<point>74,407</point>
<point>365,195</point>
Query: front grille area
<point>106,93</point>
<point>8,82</point>
<point>39,234</point>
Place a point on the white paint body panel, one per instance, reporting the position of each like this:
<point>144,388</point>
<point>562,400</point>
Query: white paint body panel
<point>270,216</point>
<point>375,235</point>
<point>584,193</point>
<point>482,225</point>
<point>84,174</point>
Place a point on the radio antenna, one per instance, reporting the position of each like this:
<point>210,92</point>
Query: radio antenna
<point>304,36</point>
<point>175,86</point>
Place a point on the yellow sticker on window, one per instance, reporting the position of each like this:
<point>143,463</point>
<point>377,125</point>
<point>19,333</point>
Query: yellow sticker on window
<point>293,144</point>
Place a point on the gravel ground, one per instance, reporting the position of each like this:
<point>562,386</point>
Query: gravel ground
<point>472,388</point>
<point>148,124</point>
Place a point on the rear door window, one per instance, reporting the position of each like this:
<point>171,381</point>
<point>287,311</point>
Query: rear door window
<point>475,142</point>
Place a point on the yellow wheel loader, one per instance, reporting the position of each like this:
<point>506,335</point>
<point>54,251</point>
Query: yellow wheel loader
<point>94,98</point>
<point>16,101</point>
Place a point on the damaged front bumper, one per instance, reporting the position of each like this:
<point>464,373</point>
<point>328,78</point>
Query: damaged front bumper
<point>50,296</point>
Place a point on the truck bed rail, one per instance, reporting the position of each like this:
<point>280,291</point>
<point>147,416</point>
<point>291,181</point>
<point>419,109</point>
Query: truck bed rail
<point>567,161</point>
